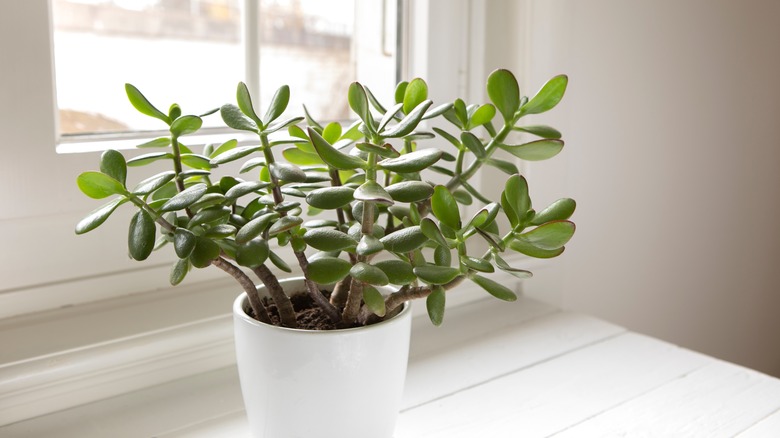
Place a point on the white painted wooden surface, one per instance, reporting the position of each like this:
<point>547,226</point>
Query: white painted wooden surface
<point>493,371</point>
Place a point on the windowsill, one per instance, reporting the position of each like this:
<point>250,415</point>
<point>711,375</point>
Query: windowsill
<point>143,340</point>
<point>492,370</point>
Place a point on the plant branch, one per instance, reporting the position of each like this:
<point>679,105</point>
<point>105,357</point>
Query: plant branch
<point>283,303</point>
<point>314,292</point>
<point>408,293</point>
<point>249,287</point>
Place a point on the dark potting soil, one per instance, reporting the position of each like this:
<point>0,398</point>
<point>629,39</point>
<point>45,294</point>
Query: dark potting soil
<point>307,313</point>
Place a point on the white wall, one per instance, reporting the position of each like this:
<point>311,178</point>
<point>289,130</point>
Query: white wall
<point>672,122</point>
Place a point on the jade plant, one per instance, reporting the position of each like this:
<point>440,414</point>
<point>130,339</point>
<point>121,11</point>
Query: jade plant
<point>351,203</point>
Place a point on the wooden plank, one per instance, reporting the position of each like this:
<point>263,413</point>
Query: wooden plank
<point>552,396</point>
<point>503,351</point>
<point>719,400</point>
<point>768,427</point>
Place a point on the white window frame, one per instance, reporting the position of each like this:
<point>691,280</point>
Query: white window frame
<point>117,325</point>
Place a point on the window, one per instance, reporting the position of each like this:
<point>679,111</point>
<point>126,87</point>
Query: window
<point>84,289</point>
<point>194,52</point>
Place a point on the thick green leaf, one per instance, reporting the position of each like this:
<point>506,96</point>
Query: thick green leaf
<point>548,96</point>
<point>325,239</point>
<point>473,144</point>
<point>196,161</point>
<point>179,271</point>
<point>358,101</point>
<point>369,245</point>
<point>279,262</point>
<point>459,106</point>
<point>504,166</point>
<point>550,236</point>
<point>287,172</point>
<point>328,270</point>
<point>371,191</point>
<point>329,198</point>
<point>253,253</point>
<point>410,191</point>
<point>245,188</point>
<point>368,274</point>
<point>174,111</point>
<point>185,198</point>
<point>504,92</point>
<point>224,147</point>
<point>415,93</point>
<point>389,115</point>
<point>213,216</point>
<point>476,264</point>
<point>234,118</point>
<point>98,216</point>
<point>404,240</point>
<point>143,106</point>
<point>536,150</point>
<point>159,142</point>
<point>278,104</point>
<point>284,223</point>
<point>482,115</point>
<point>220,231</point>
<point>516,196</point>
<point>140,240</point>
<point>185,125</point>
<point>400,91</point>
<point>332,132</point>
<point>433,274</point>
<point>374,301</point>
<point>504,266</point>
<point>445,208</point>
<point>432,232</point>
<point>412,162</point>
<point>524,247</point>
<point>235,154</point>
<point>205,251</point>
<point>496,289</point>
<point>540,130</point>
<point>184,242</point>
<point>98,185</point>
<point>408,123</point>
<point>244,101</point>
<point>397,271</point>
<point>435,305</point>
<point>559,210</point>
<point>437,111</point>
<point>464,197</point>
<point>145,159</point>
<point>509,210</point>
<point>387,151</point>
<point>332,156</point>
<point>113,164</point>
<point>301,158</point>
<point>442,256</point>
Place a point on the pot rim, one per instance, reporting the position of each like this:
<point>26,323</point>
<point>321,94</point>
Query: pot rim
<point>239,312</point>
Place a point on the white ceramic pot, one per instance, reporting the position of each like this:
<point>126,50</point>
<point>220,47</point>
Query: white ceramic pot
<point>321,384</point>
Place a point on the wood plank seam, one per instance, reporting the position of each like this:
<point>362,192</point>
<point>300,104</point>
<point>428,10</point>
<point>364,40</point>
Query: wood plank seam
<point>525,367</point>
<point>616,405</point>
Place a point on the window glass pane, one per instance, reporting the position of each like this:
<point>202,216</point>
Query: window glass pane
<point>173,50</point>
<point>190,52</point>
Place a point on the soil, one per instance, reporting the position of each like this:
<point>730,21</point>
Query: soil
<point>307,313</point>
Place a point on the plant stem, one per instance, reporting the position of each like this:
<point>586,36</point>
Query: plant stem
<point>355,297</point>
<point>408,293</point>
<point>283,303</point>
<point>169,227</point>
<point>339,295</point>
<point>312,288</point>
<point>454,182</point>
<point>314,292</point>
<point>249,287</point>
<point>177,169</point>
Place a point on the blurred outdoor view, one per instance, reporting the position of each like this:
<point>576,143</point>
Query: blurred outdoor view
<point>191,52</point>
